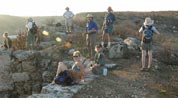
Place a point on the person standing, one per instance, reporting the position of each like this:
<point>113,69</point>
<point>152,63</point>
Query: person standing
<point>68,19</point>
<point>91,33</point>
<point>108,27</point>
<point>30,35</point>
<point>147,30</point>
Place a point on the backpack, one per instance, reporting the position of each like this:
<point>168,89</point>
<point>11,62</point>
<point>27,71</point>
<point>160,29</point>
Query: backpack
<point>63,78</point>
<point>147,34</point>
<point>110,18</point>
<point>34,28</point>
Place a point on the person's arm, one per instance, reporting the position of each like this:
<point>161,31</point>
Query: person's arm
<point>102,59</point>
<point>72,14</point>
<point>139,32</point>
<point>157,32</point>
<point>80,65</point>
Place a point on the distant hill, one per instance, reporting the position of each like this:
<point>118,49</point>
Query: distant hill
<point>14,24</point>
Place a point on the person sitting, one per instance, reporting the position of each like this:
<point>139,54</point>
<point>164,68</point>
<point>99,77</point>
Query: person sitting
<point>7,41</point>
<point>99,60</point>
<point>76,72</point>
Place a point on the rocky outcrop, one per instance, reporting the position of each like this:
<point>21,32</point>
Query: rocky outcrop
<point>58,91</point>
<point>6,84</point>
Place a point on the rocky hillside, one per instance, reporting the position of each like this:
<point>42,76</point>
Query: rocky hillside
<point>30,73</point>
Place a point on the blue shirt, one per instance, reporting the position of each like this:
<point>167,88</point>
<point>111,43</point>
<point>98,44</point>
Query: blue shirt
<point>91,25</point>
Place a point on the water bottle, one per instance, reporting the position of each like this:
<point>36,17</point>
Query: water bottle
<point>105,71</point>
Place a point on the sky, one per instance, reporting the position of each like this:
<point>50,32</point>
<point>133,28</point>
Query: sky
<point>57,7</point>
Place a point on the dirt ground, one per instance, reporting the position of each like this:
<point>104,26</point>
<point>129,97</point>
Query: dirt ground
<point>127,81</point>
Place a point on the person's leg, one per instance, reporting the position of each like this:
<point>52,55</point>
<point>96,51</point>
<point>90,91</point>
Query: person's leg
<point>109,35</point>
<point>28,41</point>
<point>33,41</point>
<point>88,43</point>
<point>66,25</point>
<point>61,67</point>
<point>103,38</point>
<point>150,58</point>
<point>69,26</point>
<point>93,43</point>
<point>143,59</point>
<point>109,40</point>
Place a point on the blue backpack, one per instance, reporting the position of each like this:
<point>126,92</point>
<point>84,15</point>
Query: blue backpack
<point>63,78</point>
<point>147,34</point>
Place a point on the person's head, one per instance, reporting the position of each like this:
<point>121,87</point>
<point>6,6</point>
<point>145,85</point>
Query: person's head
<point>30,19</point>
<point>89,17</point>
<point>5,34</point>
<point>76,55</point>
<point>67,8</point>
<point>98,48</point>
<point>110,9</point>
<point>148,21</point>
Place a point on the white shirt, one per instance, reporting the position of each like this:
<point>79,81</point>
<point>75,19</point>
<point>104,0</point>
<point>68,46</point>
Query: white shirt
<point>68,14</point>
<point>29,25</point>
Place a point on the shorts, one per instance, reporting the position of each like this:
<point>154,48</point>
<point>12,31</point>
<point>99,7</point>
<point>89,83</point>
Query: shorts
<point>68,22</point>
<point>108,29</point>
<point>146,46</point>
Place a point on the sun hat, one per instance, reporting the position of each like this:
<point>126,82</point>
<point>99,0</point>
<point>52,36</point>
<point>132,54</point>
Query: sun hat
<point>4,34</point>
<point>109,9</point>
<point>148,21</point>
<point>89,15</point>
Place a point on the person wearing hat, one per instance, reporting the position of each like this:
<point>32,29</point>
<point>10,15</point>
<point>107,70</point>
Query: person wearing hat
<point>91,32</point>
<point>30,35</point>
<point>68,19</point>
<point>7,41</point>
<point>147,30</point>
<point>108,27</point>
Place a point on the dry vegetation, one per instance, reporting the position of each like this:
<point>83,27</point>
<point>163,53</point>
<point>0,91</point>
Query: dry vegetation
<point>126,78</point>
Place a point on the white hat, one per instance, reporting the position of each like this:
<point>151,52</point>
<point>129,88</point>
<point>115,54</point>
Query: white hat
<point>148,21</point>
<point>89,15</point>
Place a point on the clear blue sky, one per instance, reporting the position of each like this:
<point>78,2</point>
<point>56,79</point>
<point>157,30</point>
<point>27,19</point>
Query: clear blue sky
<point>57,7</point>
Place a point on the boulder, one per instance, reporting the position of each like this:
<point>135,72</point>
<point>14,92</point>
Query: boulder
<point>47,76</point>
<point>24,55</point>
<point>117,51</point>
<point>20,77</point>
<point>132,43</point>
<point>6,83</point>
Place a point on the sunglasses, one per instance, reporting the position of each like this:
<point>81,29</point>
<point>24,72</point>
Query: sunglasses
<point>75,56</point>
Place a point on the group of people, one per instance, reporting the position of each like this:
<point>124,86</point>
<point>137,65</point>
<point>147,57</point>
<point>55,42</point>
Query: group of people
<point>78,72</point>
<point>146,31</point>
